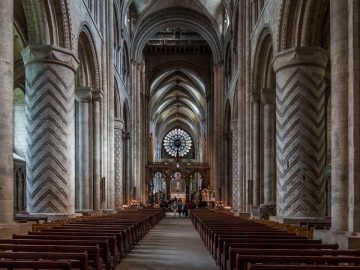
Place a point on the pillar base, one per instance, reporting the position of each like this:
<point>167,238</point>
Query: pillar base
<point>54,216</point>
<point>345,240</point>
<point>296,220</point>
<point>87,212</point>
<point>109,211</point>
<point>243,214</point>
<point>8,229</point>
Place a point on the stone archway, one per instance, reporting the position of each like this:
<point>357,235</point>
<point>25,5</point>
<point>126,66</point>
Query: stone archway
<point>187,169</point>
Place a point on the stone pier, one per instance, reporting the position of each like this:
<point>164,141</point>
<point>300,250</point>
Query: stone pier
<point>6,111</point>
<point>83,96</point>
<point>268,101</point>
<point>50,114</point>
<point>300,132</point>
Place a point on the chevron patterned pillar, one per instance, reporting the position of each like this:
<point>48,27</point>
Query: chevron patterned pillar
<point>268,101</point>
<point>300,132</point>
<point>83,96</point>
<point>6,111</point>
<point>119,200</point>
<point>50,100</point>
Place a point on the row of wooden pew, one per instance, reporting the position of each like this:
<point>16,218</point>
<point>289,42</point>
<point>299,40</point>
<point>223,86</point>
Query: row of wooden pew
<point>83,243</point>
<point>238,244</point>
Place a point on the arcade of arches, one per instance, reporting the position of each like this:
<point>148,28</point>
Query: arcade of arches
<point>266,94</point>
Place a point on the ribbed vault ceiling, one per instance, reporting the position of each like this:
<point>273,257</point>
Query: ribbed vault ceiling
<point>178,99</point>
<point>213,9</point>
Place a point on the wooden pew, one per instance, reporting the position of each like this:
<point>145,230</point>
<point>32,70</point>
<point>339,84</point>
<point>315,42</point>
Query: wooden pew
<point>224,242</point>
<point>78,260</point>
<point>302,267</point>
<point>101,238</point>
<point>110,239</point>
<point>92,251</point>
<point>11,264</point>
<point>285,250</point>
<point>244,244</point>
<point>103,245</point>
<point>244,261</point>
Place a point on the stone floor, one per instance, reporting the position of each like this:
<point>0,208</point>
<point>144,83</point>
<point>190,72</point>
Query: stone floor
<point>172,244</point>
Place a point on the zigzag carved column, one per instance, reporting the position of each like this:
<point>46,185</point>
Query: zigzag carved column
<point>119,200</point>
<point>235,167</point>
<point>50,100</point>
<point>83,96</point>
<point>300,131</point>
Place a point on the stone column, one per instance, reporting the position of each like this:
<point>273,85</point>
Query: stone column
<point>50,161</point>
<point>268,101</point>
<point>339,114</point>
<point>6,112</point>
<point>136,132</point>
<point>168,189</point>
<point>83,96</point>
<point>118,149</point>
<point>126,167</point>
<point>300,132</point>
<point>235,166</point>
<point>187,191</point>
<point>354,116</point>
<point>97,97</point>
<point>255,100</point>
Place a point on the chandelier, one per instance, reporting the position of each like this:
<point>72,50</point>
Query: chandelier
<point>177,142</point>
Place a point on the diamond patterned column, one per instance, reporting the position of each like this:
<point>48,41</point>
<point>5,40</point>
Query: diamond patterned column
<point>119,200</point>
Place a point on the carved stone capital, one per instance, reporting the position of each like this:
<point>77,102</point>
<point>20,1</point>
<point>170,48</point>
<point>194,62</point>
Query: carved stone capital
<point>234,125</point>
<point>255,97</point>
<point>313,56</point>
<point>268,96</point>
<point>97,96</point>
<point>126,135</point>
<point>83,94</point>
<point>50,54</point>
<point>119,124</point>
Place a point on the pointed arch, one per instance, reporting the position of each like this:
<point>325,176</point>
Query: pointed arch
<point>117,102</point>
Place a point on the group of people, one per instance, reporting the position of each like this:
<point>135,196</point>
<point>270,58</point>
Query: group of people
<point>177,207</point>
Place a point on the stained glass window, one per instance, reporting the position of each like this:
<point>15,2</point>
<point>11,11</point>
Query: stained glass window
<point>177,142</point>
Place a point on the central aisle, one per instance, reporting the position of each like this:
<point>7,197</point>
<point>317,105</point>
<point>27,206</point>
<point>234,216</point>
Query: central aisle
<point>172,244</point>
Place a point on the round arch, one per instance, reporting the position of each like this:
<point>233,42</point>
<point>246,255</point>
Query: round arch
<point>89,71</point>
<point>175,17</point>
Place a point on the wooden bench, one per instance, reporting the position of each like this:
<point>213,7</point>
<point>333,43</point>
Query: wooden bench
<point>302,267</point>
<point>11,264</point>
<point>244,261</point>
<point>92,251</point>
<point>109,239</point>
<point>103,245</point>
<point>224,242</point>
<point>78,260</point>
<point>231,261</point>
